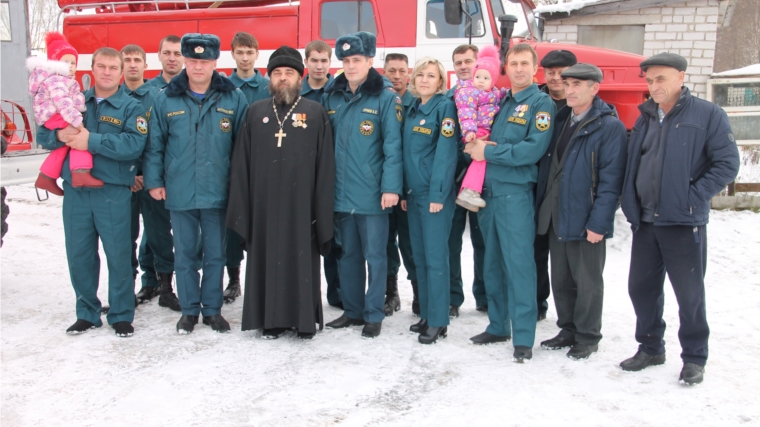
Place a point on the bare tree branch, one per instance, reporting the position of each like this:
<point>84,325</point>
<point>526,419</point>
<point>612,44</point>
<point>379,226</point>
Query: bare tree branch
<point>43,15</point>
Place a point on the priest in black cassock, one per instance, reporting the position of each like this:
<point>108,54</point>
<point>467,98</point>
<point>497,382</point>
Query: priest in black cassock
<point>281,202</point>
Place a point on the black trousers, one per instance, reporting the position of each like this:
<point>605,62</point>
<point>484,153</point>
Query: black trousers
<point>578,287</point>
<point>681,252</point>
<point>541,256</point>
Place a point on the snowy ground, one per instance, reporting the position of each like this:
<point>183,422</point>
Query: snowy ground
<point>158,378</point>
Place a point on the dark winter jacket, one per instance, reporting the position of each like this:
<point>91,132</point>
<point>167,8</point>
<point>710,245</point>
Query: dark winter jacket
<point>700,159</point>
<point>592,173</point>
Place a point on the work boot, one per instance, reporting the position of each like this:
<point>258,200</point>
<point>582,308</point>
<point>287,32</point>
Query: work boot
<point>83,178</point>
<point>167,298</point>
<point>217,323</point>
<point>691,374</point>
<point>416,300</point>
<point>470,200</point>
<point>233,287</point>
<point>392,301</point>
<point>147,293</point>
<point>48,184</point>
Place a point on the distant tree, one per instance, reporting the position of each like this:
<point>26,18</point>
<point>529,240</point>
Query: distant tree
<point>43,17</point>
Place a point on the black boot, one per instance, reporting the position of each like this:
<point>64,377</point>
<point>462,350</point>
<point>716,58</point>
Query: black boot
<point>167,298</point>
<point>692,374</point>
<point>392,301</point>
<point>416,300</point>
<point>233,287</point>
<point>419,327</point>
<point>147,293</point>
<point>431,334</point>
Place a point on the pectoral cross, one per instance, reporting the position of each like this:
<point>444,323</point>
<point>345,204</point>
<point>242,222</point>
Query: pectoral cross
<point>279,136</point>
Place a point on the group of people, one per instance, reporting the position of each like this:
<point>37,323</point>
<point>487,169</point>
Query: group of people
<point>359,166</point>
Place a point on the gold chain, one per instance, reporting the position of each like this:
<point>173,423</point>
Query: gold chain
<point>277,116</point>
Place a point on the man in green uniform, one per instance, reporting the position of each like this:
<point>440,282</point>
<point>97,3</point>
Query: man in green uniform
<point>187,163</point>
<point>115,129</point>
<point>521,135</point>
<point>170,56</point>
<point>245,51</point>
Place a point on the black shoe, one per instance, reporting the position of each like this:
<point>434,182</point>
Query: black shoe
<point>486,338</point>
<point>186,324</point>
<point>79,327</point>
<point>272,334</point>
<point>344,322</point>
<point>522,354</point>
<point>416,299</point>
<point>167,298</point>
<point>104,309</point>
<point>217,323</point>
<point>306,335</point>
<point>233,287</point>
<point>541,316</point>
<point>147,293</point>
<point>691,374</point>
<point>392,301</point>
<point>123,329</point>
<point>641,360</point>
<point>482,308</point>
<point>453,311</point>
<point>582,351</point>
<point>372,329</point>
<point>431,334</point>
<point>338,304</point>
<point>419,327</point>
<point>558,342</point>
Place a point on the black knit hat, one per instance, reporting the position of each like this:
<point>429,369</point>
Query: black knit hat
<point>286,56</point>
<point>665,59</point>
<point>559,58</point>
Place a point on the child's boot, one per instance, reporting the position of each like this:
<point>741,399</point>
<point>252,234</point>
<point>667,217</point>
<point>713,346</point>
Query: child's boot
<point>48,184</point>
<point>470,200</point>
<point>83,178</point>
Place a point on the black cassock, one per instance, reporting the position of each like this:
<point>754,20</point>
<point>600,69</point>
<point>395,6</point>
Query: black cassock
<point>281,203</point>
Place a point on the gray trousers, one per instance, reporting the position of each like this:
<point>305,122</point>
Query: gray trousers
<point>578,287</point>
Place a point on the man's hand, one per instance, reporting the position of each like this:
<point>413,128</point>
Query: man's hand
<point>403,205</point>
<point>80,140</point>
<point>436,207</point>
<point>66,134</point>
<point>158,193</point>
<point>476,149</point>
<point>138,184</point>
<point>388,200</point>
<point>593,237</point>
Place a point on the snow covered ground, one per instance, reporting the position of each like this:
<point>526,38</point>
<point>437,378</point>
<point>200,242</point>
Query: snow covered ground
<point>158,378</point>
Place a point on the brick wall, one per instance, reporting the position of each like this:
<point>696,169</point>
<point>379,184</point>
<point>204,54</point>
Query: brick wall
<point>687,28</point>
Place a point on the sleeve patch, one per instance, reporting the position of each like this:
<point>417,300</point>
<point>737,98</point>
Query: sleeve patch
<point>543,121</point>
<point>447,127</point>
<point>399,113</point>
<point>142,125</point>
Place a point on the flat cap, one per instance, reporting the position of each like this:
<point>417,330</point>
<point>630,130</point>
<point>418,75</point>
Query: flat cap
<point>583,71</point>
<point>200,46</point>
<point>286,56</point>
<point>559,58</point>
<point>361,43</point>
<point>665,59</point>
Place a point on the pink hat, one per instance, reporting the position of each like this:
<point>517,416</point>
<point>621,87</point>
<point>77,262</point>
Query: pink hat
<point>57,46</point>
<point>488,59</point>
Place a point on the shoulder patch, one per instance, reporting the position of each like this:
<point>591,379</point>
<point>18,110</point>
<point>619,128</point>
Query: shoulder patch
<point>543,121</point>
<point>399,113</point>
<point>447,127</point>
<point>142,125</point>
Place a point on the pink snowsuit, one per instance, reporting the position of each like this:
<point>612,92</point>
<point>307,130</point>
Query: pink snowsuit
<point>476,110</point>
<point>57,102</point>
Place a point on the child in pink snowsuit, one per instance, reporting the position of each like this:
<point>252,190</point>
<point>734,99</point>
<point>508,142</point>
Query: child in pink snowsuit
<point>477,102</point>
<point>58,103</point>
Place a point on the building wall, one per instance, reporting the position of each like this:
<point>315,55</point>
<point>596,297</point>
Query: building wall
<point>687,28</point>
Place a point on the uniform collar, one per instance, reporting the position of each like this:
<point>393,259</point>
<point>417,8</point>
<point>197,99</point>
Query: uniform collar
<point>254,82</point>
<point>523,94</point>
<point>430,105</point>
<point>306,88</point>
<point>115,100</point>
<point>140,91</point>
<point>408,99</point>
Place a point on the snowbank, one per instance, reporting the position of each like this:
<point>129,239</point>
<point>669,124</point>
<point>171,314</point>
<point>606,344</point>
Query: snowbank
<point>566,7</point>
<point>751,70</point>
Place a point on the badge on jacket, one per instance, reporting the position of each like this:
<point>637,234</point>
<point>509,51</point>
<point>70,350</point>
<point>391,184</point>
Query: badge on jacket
<point>447,127</point>
<point>366,128</point>
<point>142,125</point>
<point>543,121</point>
<point>399,113</point>
<point>224,125</point>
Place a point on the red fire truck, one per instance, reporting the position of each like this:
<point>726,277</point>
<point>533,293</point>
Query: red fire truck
<point>416,28</point>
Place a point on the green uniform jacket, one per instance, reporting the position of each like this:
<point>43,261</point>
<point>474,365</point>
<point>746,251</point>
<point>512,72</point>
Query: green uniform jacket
<point>314,94</point>
<point>118,130</point>
<point>255,89</point>
<point>431,134</point>
<point>158,82</point>
<point>367,129</point>
<point>522,132</point>
<point>190,146</point>
<point>144,95</point>
<point>408,101</point>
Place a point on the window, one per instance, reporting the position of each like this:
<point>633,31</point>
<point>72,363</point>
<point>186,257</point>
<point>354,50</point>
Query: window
<point>5,22</point>
<point>346,17</point>
<point>740,98</point>
<point>437,28</point>
<point>627,38</point>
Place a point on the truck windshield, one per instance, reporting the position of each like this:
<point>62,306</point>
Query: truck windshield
<point>506,7</point>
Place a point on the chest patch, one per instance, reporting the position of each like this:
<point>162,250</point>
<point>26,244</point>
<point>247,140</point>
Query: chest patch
<point>370,111</point>
<point>330,111</point>
<point>447,127</point>
<point>367,128</point>
<point>175,113</point>
<point>225,124</point>
<point>111,120</point>
<point>222,110</point>
<point>543,121</point>
<point>142,125</point>
<point>420,129</point>
<point>518,120</point>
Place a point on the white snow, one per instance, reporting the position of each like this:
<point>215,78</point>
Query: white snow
<point>750,70</point>
<point>566,7</point>
<point>158,378</point>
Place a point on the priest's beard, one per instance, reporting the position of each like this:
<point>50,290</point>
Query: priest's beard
<point>285,94</point>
